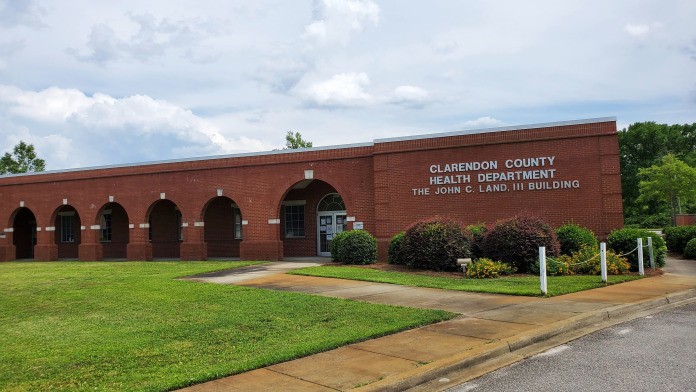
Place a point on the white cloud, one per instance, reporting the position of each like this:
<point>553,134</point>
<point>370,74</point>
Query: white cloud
<point>637,30</point>
<point>345,89</point>
<point>336,20</point>
<point>136,128</point>
<point>410,96</point>
<point>153,38</point>
<point>481,123</point>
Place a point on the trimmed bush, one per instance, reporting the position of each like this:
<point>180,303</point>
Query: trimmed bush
<point>587,261</point>
<point>624,240</point>
<point>477,233</point>
<point>354,247</point>
<point>690,249</point>
<point>517,241</point>
<point>396,254</point>
<point>487,268</point>
<point>677,237</point>
<point>555,266</point>
<point>572,238</point>
<point>336,246</point>
<point>435,244</point>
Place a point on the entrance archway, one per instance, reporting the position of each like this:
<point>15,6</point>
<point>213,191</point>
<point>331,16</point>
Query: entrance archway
<point>24,233</point>
<point>67,232</point>
<point>113,231</point>
<point>165,232</point>
<point>300,222</point>
<point>222,229</point>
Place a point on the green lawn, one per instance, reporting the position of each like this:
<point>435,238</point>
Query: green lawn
<point>132,326</point>
<point>517,285</point>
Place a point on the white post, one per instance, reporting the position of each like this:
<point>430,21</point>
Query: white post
<point>650,249</point>
<point>542,269</point>
<point>641,269</point>
<point>603,260</point>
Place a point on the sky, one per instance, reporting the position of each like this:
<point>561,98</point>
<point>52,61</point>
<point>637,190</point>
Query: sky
<point>93,83</point>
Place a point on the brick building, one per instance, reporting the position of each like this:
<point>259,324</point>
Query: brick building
<point>271,205</point>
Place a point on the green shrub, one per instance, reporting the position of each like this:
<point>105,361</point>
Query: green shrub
<point>336,247</point>
<point>396,253</point>
<point>690,249</point>
<point>624,240</point>
<point>355,247</point>
<point>677,237</point>
<point>517,241</point>
<point>435,244</point>
<point>572,238</point>
<point>587,261</point>
<point>555,266</point>
<point>487,268</point>
<point>477,232</point>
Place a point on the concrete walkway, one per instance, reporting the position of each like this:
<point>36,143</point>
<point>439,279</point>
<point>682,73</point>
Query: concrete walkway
<point>490,328</point>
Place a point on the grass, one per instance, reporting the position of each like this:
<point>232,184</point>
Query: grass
<point>515,285</point>
<point>133,326</point>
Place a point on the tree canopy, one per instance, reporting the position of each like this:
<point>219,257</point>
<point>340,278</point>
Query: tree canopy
<point>671,181</point>
<point>643,145</point>
<point>22,159</point>
<point>294,140</point>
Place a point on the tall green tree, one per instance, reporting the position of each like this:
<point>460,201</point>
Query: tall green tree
<point>671,181</point>
<point>642,145</point>
<point>22,159</point>
<point>294,140</point>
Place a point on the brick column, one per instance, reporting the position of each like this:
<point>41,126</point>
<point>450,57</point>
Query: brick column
<point>7,249</point>
<point>193,247</point>
<point>139,248</point>
<point>90,248</point>
<point>46,248</point>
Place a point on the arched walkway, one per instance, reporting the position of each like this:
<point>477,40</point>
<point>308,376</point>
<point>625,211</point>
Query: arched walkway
<point>308,220</point>
<point>222,227</point>
<point>113,231</point>
<point>165,231</point>
<point>68,233</point>
<point>24,233</point>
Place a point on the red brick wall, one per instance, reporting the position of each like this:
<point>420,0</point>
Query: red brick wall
<point>375,182</point>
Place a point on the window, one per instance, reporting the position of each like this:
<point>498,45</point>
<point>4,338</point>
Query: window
<point>105,225</point>
<point>237,223</point>
<point>179,225</point>
<point>331,202</point>
<point>66,228</point>
<point>294,221</point>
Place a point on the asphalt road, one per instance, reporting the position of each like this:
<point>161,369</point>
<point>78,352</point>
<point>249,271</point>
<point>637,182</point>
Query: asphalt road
<point>654,353</point>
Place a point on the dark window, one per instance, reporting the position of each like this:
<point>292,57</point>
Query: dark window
<point>294,221</point>
<point>237,224</point>
<point>66,228</point>
<point>105,225</point>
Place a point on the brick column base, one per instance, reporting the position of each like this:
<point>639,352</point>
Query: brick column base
<point>270,250</point>
<point>45,252</point>
<point>383,250</point>
<point>193,251</point>
<point>7,253</point>
<point>139,251</point>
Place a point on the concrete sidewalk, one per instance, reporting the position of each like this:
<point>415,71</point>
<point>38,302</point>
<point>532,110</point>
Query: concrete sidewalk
<point>490,328</point>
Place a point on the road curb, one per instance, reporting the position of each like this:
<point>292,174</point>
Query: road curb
<point>492,351</point>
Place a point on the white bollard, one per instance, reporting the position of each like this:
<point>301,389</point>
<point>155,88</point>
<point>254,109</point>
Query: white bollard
<point>650,249</point>
<point>603,260</point>
<point>542,269</point>
<point>641,269</point>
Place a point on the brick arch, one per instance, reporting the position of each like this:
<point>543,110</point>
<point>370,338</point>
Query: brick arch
<point>222,230</point>
<point>114,234</point>
<point>23,235</point>
<point>67,236</point>
<point>335,185</point>
<point>164,228</point>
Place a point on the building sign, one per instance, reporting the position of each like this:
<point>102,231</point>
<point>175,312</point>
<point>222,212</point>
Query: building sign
<point>509,175</point>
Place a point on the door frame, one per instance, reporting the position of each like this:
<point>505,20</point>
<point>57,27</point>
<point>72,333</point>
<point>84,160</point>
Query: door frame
<point>321,214</point>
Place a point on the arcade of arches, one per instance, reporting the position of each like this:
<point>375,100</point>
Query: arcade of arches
<point>303,228</point>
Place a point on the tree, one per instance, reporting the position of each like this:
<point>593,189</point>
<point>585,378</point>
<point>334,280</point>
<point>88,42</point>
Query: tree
<point>642,145</point>
<point>294,140</point>
<point>22,160</point>
<point>672,181</point>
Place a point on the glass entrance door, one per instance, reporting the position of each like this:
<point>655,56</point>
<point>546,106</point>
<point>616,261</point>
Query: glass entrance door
<point>328,225</point>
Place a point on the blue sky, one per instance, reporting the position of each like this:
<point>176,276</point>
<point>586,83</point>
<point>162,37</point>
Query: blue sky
<point>95,83</point>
